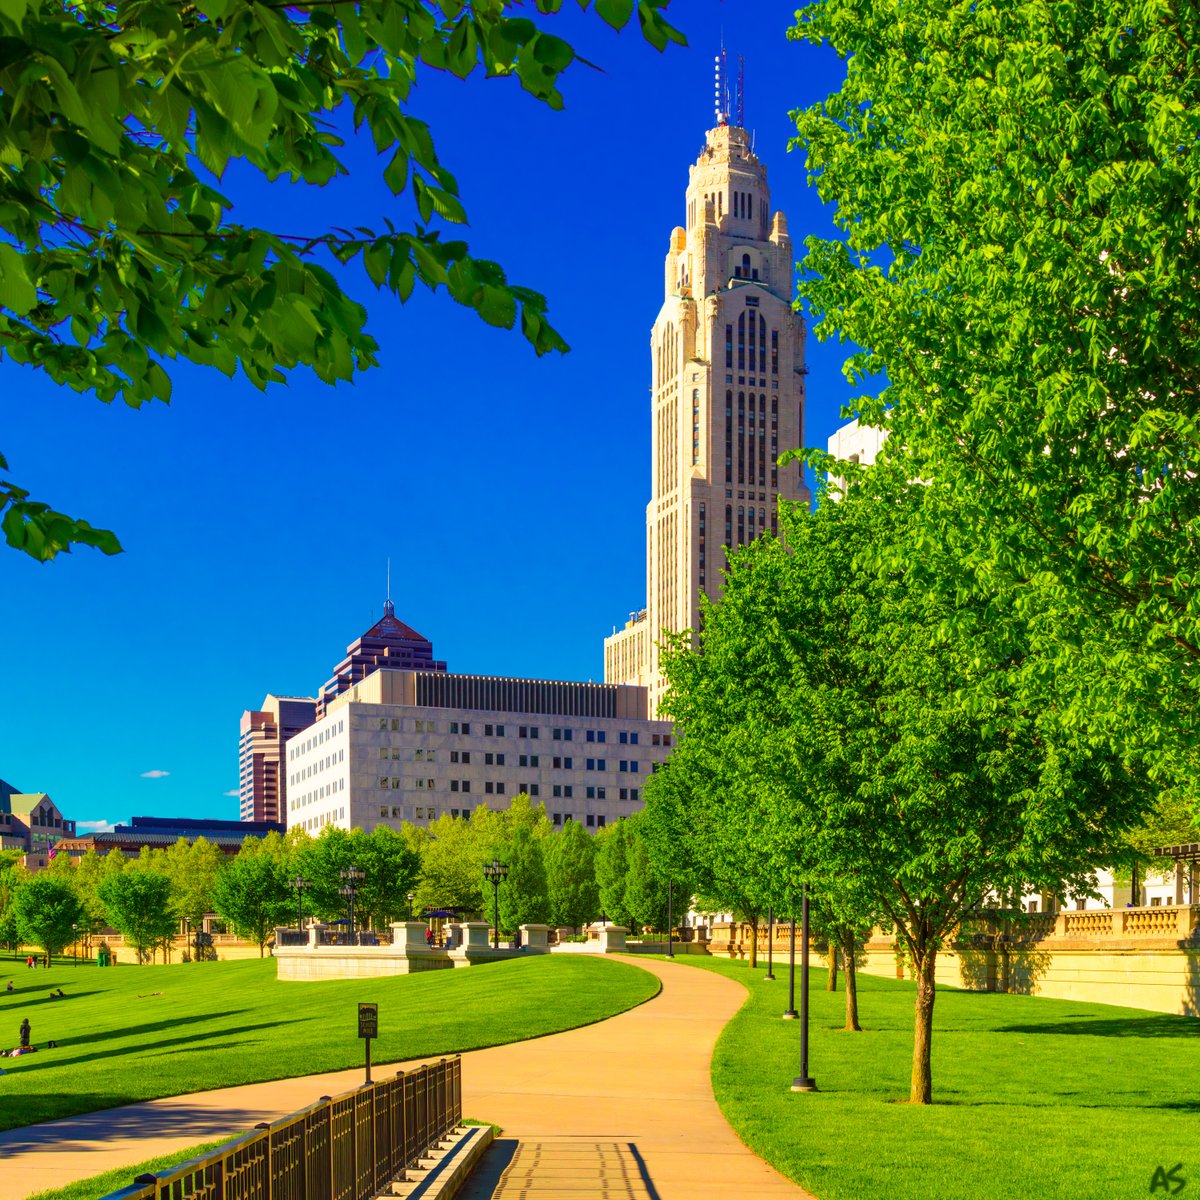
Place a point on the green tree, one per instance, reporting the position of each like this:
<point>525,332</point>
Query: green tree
<point>45,909</point>
<point>612,866</point>
<point>524,894</point>
<point>90,873</point>
<point>192,868</point>
<point>137,903</point>
<point>571,876</point>
<point>646,884</point>
<point>119,258</point>
<point>843,689</point>
<point>391,869</point>
<point>1016,187</point>
<point>252,893</point>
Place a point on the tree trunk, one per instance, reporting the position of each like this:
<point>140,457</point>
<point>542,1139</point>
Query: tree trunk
<point>922,1071</point>
<point>753,943</point>
<point>831,979</point>
<point>851,984</point>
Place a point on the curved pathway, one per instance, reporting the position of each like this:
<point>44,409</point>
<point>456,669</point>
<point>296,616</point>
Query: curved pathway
<point>620,1108</point>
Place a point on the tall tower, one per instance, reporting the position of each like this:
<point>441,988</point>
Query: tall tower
<point>727,361</point>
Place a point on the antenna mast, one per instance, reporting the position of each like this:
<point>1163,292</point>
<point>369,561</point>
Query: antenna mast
<point>741,92</point>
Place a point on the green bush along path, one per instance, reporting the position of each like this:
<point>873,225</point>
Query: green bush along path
<point>137,1033</point>
<point>1037,1099</point>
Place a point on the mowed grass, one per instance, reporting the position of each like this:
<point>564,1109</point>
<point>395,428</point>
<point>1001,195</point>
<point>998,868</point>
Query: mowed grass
<point>131,1033</point>
<point>1034,1099</point>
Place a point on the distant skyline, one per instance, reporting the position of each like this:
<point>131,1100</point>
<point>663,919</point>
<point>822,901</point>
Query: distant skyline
<point>508,491</point>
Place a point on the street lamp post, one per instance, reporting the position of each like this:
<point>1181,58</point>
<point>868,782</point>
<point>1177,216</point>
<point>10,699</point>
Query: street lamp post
<point>495,872</point>
<point>301,885</point>
<point>411,897</point>
<point>74,942</point>
<point>791,1013</point>
<point>351,878</point>
<point>770,943</point>
<point>804,1082</point>
<point>670,922</point>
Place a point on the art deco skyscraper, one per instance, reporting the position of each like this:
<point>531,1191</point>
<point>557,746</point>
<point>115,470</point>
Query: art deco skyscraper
<point>727,358</point>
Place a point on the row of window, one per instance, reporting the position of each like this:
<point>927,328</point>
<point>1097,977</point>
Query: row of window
<point>326,789</point>
<point>593,821</point>
<point>317,739</point>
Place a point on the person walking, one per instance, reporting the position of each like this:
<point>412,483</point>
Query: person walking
<point>25,1034</point>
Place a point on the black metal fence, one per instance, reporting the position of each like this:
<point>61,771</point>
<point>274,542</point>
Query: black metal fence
<point>345,1148</point>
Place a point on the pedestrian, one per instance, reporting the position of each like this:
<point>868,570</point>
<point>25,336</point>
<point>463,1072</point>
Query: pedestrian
<point>25,1034</point>
<point>46,961</point>
<point>429,936</point>
<point>29,961</point>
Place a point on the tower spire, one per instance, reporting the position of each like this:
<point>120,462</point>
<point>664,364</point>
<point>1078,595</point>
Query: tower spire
<point>389,609</point>
<point>721,90</point>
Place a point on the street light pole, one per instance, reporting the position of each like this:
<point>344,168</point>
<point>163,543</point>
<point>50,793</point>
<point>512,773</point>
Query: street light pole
<point>411,897</point>
<point>770,943</point>
<point>791,1013</point>
<point>300,883</point>
<point>75,942</point>
<point>495,872</point>
<point>670,922</point>
<point>804,1082</point>
<point>352,877</point>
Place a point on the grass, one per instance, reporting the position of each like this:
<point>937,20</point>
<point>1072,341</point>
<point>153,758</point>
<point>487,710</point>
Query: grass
<point>1035,1099</point>
<point>131,1033</point>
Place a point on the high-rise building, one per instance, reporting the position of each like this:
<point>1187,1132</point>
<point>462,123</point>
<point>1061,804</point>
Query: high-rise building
<point>389,643</point>
<point>262,784</point>
<point>727,359</point>
<point>416,745</point>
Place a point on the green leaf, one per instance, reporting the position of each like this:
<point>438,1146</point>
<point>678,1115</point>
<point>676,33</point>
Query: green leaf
<point>615,12</point>
<point>17,293</point>
<point>14,10</point>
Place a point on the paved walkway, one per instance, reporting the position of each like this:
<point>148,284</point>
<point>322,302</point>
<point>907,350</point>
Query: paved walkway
<point>623,1108</point>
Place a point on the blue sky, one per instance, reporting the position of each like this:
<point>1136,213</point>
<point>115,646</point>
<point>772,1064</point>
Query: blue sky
<point>508,491</point>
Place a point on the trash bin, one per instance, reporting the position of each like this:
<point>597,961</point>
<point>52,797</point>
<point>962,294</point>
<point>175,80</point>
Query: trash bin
<point>102,958</point>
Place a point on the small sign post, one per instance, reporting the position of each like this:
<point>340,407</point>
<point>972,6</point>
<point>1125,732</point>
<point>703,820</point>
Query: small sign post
<point>368,1028</point>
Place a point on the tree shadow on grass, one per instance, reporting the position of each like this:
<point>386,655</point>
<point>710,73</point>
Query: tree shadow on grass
<point>135,1029</point>
<point>23,995</point>
<point>52,1059</point>
<point>1161,1025</point>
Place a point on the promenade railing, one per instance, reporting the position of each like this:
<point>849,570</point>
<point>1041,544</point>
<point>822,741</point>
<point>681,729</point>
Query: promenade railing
<point>348,1147</point>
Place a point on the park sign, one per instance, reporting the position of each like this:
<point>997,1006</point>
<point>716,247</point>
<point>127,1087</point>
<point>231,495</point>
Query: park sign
<point>368,1020</point>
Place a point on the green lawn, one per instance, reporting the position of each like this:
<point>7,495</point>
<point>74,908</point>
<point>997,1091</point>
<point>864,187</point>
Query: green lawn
<point>131,1033</point>
<point>1035,1099</point>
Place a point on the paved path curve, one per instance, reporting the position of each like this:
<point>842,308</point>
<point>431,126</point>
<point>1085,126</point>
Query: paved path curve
<point>628,1099</point>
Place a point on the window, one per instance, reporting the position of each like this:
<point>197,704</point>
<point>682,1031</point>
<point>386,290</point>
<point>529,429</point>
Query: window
<point>488,759</point>
<point>522,760</point>
<point>533,731</point>
<point>666,739</point>
<point>633,794</point>
<point>557,790</point>
<point>624,737</point>
<point>624,765</point>
<point>384,782</point>
<point>487,731</point>
<point>383,812</point>
<point>383,752</point>
<point>454,785</point>
<point>396,810</point>
<point>568,790</point>
<point>396,724</point>
<point>453,726</point>
<point>533,760</point>
<point>633,738</point>
<point>487,788</point>
<point>633,765</point>
<point>590,819</point>
<point>589,793</point>
<point>466,785</point>
<point>557,735</point>
<point>600,793</point>
<point>454,756</point>
<point>466,756</point>
<point>499,730</point>
<point>591,735</point>
<point>655,739</point>
<point>624,793</point>
<point>499,760</point>
<point>600,819</point>
<point>601,736</point>
<point>568,764</point>
<point>522,731</point>
<point>534,791</point>
<point>558,819</point>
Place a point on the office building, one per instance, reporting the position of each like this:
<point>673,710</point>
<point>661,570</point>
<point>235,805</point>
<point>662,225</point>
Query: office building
<point>32,823</point>
<point>414,745</point>
<point>727,372</point>
<point>262,784</point>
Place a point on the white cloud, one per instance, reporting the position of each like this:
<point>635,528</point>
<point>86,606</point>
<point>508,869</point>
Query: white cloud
<point>233,792</point>
<point>95,826</point>
<point>155,774</point>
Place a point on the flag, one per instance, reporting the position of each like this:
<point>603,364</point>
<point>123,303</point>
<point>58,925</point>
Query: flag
<point>53,851</point>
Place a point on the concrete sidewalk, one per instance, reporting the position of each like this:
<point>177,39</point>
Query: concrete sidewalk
<point>620,1108</point>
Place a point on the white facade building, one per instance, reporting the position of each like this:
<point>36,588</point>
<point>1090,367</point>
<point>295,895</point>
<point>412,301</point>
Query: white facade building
<point>414,745</point>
